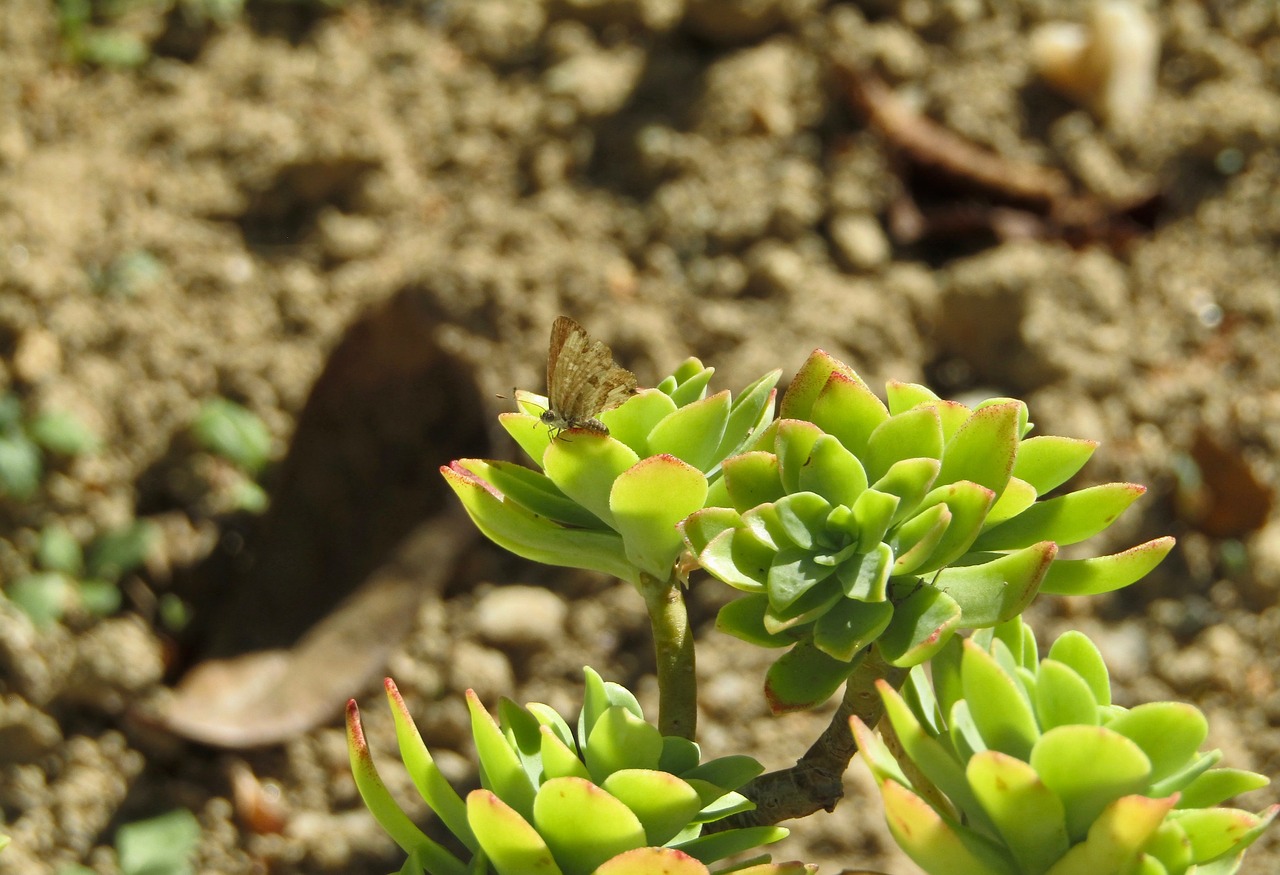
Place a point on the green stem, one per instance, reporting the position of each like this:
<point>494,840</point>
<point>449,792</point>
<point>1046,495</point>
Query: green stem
<point>673,652</point>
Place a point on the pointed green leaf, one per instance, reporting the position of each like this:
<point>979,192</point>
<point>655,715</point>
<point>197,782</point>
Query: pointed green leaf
<point>558,759</point>
<point>911,435</point>
<point>1047,462</point>
<point>814,375</point>
<point>1105,573</point>
<point>1063,698</point>
<point>794,445</point>
<point>922,622</point>
<point>1067,520</point>
<point>910,480</point>
<point>916,539</point>
<point>1074,649</point>
<point>1218,785</point>
<point>510,843</point>
<point>873,511</point>
<point>1018,495</point>
<point>903,396</point>
<point>939,844</point>
<point>848,411</point>
<point>727,772</point>
<point>700,528</point>
<point>1169,733</point>
<point>1116,839</point>
<point>693,433</point>
<point>1025,812</point>
<point>632,422</point>
<point>984,448</point>
<point>621,740</point>
<point>751,406</point>
<point>865,576</point>
<point>534,491</point>
<point>995,591</point>
<point>718,845</point>
<point>662,803</point>
<point>501,769</point>
<point>743,618</point>
<point>999,709</point>
<point>968,503</point>
<point>738,558</point>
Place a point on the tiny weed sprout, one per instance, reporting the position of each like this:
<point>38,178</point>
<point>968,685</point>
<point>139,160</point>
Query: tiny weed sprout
<point>868,538</point>
<point>25,441</point>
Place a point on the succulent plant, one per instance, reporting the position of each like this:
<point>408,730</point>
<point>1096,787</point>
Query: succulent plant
<point>849,523</point>
<point>610,502</point>
<point>1012,765</point>
<point>614,798</point>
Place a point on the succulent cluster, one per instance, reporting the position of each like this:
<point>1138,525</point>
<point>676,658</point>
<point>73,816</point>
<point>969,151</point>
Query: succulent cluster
<point>611,503</point>
<point>1013,765</point>
<point>614,798</point>
<point>852,522</point>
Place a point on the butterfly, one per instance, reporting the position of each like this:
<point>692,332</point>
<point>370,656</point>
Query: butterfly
<point>583,380</point>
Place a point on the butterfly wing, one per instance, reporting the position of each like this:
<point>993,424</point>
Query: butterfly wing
<point>582,377</point>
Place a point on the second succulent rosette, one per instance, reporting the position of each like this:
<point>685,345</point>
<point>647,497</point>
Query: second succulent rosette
<point>611,503</point>
<point>851,522</point>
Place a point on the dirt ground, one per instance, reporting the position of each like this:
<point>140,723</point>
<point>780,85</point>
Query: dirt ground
<point>360,223</point>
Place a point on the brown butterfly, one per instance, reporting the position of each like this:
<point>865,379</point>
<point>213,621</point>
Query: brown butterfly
<point>583,380</point>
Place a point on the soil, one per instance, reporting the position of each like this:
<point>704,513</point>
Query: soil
<point>359,221</point>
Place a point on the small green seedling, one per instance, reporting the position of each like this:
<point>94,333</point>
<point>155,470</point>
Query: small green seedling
<point>161,845</point>
<point>25,442</point>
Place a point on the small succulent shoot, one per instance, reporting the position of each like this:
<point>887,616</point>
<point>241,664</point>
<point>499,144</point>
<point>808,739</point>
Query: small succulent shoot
<point>1013,765</point>
<point>227,429</point>
<point>610,503</point>
<point>851,522</point>
<point>24,442</point>
<point>607,796</point>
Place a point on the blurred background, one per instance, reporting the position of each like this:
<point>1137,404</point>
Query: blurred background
<point>264,265</point>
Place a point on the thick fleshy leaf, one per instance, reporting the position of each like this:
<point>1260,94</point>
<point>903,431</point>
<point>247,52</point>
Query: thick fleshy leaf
<point>426,776</point>
<point>917,538</point>
<point>693,433</point>
<point>726,773</point>
<point>621,740</point>
<point>751,407</point>
<point>534,491</point>
<point>804,677</point>
<point>984,448</point>
<point>833,472</point>
<point>718,845</point>
<point>809,381</point>
<point>652,861</point>
<point>737,557</point>
<point>663,803</point>
<point>910,480</point>
<point>999,709</point>
<point>995,591</point>
<point>1089,768</point>
<point>937,844</point>
<point>874,510</point>
<point>501,768</point>
<point>1116,839</point>
<point>743,618</point>
<point>801,518</point>
<point>598,696</point>
<point>915,434</point>
<point>699,528</point>
<point>648,500</point>
<point>632,422</point>
<point>585,466</point>
<point>516,529</point>
<point>865,576</point>
<point>565,806</point>
<point>1216,832</point>
<point>526,429</point>
<point>511,844</point>
<point>849,626</point>
<point>1169,733</point>
<point>794,444</point>
<point>1047,462</point>
<point>812,604</point>
<point>875,753</point>
<point>848,411</point>
<point>1105,573</point>
<point>1026,813</point>
<point>968,503</point>
<point>1018,495</point>
<point>793,573</point>
<point>690,383</point>
<point>373,791</point>
<point>753,479</point>
<point>1218,785</point>
<point>901,396</point>
<point>1067,520</point>
<point>558,759</point>
<point>1081,655</point>
<point>922,622</point>
<point>1063,698</point>
<point>936,763</point>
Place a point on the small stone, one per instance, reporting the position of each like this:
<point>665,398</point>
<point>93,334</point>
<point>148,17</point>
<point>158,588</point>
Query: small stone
<point>37,356</point>
<point>482,669</point>
<point>860,240</point>
<point>25,732</point>
<point>520,616</point>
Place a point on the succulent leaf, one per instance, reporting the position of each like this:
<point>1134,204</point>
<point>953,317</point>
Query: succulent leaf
<point>510,843</point>
<point>693,433</point>
<point>1048,461</point>
<point>922,622</point>
<point>1067,520</point>
<point>1105,573</point>
<point>647,502</point>
<point>1028,816</point>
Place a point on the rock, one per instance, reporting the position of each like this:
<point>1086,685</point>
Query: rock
<point>520,616</point>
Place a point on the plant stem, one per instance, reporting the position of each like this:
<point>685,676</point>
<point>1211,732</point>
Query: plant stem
<point>816,782</point>
<point>673,653</point>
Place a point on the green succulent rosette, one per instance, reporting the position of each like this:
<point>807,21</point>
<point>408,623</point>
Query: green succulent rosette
<point>851,522</point>
<point>1011,765</point>
<point>611,796</point>
<point>610,503</point>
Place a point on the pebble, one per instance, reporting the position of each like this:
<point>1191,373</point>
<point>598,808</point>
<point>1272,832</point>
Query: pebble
<point>860,240</point>
<point>37,356</point>
<point>520,616</point>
